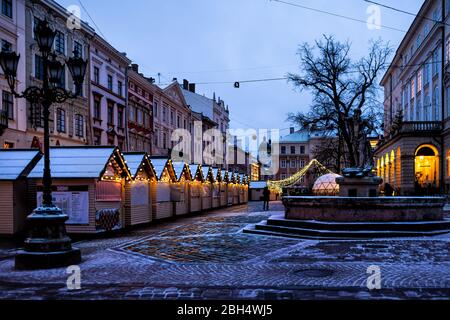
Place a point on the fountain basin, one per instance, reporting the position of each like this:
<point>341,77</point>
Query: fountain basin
<point>365,209</point>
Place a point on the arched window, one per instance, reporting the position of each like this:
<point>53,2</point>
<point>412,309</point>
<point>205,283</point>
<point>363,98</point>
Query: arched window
<point>436,104</point>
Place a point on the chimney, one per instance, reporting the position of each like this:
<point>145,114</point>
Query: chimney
<point>135,67</point>
<point>192,87</point>
<point>185,84</point>
<point>292,130</point>
<point>174,79</point>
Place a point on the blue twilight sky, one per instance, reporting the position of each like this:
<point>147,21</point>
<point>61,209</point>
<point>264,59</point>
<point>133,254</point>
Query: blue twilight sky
<point>235,40</point>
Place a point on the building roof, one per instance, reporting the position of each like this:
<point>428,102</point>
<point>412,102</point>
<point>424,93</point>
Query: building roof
<point>199,103</point>
<point>76,162</point>
<point>16,163</point>
<point>179,169</point>
<point>135,161</point>
<point>299,136</point>
<point>159,164</point>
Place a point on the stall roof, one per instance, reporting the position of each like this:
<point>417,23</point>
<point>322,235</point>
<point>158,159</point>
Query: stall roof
<point>77,162</point>
<point>135,160</point>
<point>15,163</point>
<point>216,174</point>
<point>159,164</point>
<point>179,169</point>
<point>258,184</point>
<point>195,168</point>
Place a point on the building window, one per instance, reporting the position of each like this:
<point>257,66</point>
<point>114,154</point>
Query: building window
<point>283,164</point>
<point>178,121</point>
<point>302,163</point>
<point>302,150</point>
<point>413,88</point>
<point>156,138</point>
<point>110,82</point>
<point>283,150</point>
<point>79,125</point>
<point>435,62</point>
<point>419,81</point>
<point>283,177</point>
<point>120,88</point>
<point>164,113</point>
<point>164,140</point>
<point>172,118</point>
<point>38,68</point>
<point>155,110</point>
<point>96,75</point>
<point>62,80</point>
<point>292,149</point>
<point>6,46</point>
<point>139,117</point>
<point>293,163</point>
<point>436,104</point>
<point>132,114</point>
<point>60,42</point>
<point>110,113</point>
<point>7,8</point>
<point>77,49</point>
<point>8,104</point>
<point>426,73</point>
<point>97,108</point>
<point>61,120</point>
<point>120,117</point>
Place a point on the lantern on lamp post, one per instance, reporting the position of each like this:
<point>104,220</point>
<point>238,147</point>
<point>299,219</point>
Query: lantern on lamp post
<point>48,245</point>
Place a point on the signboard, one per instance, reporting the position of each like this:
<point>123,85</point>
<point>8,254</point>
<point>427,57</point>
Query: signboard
<point>75,204</point>
<point>139,193</point>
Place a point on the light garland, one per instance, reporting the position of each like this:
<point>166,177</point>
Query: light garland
<point>277,186</point>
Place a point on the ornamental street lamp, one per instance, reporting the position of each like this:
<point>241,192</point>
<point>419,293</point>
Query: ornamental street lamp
<point>48,245</point>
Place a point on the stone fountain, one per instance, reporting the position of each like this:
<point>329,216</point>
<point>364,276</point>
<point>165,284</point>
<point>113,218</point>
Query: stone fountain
<point>358,212</point>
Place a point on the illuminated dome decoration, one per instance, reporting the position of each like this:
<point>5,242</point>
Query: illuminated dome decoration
<point>326,185</point>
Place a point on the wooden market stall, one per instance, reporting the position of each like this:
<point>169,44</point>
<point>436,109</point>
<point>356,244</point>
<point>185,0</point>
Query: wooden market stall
<point>138,199</point>
<point>180,189</point>
<point>207,192</point>
<point>233,191</point>
<point>15,165</point>
<point>196,188</point>
<point>88,185</point>
<point>246,188</point>
<point>241,189</point>
<point>162,205</point>
<point>223,176</point>
<point>215,192</point>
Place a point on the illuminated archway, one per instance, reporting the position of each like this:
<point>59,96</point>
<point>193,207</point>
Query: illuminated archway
<point>427,166</point>
<point>398,167</point>
<point>392,169</point>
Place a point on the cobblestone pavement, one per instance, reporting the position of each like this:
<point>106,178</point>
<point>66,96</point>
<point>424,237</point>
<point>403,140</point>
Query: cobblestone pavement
<point>208,257</point>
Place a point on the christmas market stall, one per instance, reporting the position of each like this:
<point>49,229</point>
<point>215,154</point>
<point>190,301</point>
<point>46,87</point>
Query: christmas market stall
<point>88,185</point>
<point>257,190</point>
<point>15,165</point>
<point>207,194</point>
<point>180,189</point>
<point>223,188</point>
<point>234,182</point>
<point>230,188</point>
<point>196,188</point>
<point>138,200</point>
<point>163,206</point>
<point>241,188</point>
<point>246,188</point>
<point>215,187</point>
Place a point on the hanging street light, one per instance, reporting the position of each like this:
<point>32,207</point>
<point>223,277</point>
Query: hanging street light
<point>48,245</point>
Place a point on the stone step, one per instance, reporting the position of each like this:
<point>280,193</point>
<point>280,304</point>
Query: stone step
<point>310,233</point>
<point>361,226</point>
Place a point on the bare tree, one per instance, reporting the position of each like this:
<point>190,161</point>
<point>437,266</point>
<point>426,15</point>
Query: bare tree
<point>344,95</point>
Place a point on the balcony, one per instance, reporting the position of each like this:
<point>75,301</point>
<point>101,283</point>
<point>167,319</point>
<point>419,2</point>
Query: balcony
<point>421,127</point>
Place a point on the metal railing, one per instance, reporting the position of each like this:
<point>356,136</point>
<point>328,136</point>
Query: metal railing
<point>416,126</point>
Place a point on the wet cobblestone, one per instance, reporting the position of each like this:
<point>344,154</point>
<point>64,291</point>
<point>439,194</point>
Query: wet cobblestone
<point>208,257</point>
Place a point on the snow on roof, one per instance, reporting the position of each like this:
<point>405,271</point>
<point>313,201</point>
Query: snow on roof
<point>258,184</point>
<point>216,173</point>
<point>134,161</point>
<point>14,163</point>
<point>194,169</point>
<point>159,164</point>
<point>299,136</point>
<point>179,167</point>
<point>199,103</point>
<point>75,162</point>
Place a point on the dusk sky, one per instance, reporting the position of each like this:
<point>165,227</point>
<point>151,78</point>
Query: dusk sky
<point>235,40</point>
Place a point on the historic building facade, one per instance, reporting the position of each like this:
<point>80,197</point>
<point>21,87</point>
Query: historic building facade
<point>108,99</point>
<point>13,119</point>
<point>294,155</point>
<point>70,120</point>
<point>140,119</point>
<point>414,155</point>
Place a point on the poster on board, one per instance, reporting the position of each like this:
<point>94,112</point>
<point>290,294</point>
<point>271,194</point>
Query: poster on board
<point>74,204</point>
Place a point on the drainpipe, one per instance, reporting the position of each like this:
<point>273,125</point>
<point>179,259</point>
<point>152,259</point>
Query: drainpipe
<point>127,139</point>
<point>443,72</point>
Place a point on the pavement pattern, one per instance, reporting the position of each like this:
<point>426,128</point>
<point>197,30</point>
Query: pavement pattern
<point>207,256</point>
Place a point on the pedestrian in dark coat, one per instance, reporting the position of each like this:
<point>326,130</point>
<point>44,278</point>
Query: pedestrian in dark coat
<point>266,198</point>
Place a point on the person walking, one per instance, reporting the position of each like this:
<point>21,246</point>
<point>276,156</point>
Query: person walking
<point>266,198</point>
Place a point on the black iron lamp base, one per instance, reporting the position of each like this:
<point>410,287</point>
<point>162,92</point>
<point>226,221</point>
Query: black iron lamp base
<point>48,245</point>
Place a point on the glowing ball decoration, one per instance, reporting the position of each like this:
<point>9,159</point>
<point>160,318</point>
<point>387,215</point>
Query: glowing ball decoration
<point>326,185</point>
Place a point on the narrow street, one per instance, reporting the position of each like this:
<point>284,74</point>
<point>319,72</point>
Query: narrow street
<point>208,257</point>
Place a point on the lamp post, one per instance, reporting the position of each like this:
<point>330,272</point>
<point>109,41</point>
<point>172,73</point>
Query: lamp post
<point>48,245</point>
